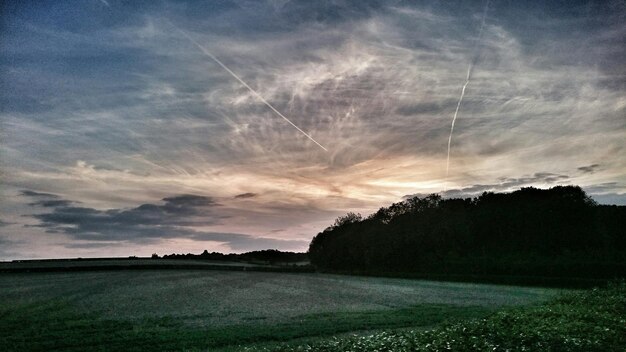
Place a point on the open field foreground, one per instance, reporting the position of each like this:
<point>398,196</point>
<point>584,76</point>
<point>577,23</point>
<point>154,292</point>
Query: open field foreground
<point>208,310</point>
<point>123,264</point>
<point>588,321</point>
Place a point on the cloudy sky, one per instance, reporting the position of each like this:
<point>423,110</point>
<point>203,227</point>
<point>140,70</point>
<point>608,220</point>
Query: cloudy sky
<point>120,135</point>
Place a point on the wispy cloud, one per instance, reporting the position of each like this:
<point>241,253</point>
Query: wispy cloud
<point>589,169</point>
<point>112,109</point>
<point>5,223</point>
<point>505,184</point>
<point>246,195</point>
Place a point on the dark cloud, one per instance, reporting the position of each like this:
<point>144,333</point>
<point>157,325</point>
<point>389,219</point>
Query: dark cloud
<point>176,217</point>
<point>143,222</point>
<point>29,193</point>
<point>4,223</point>
<point>606,187</point>
<point>509,183</point>
<point>545,177</point>
<point>245,195</point>
<point>46,200</point>
<point>589,169</point>
<point>189,200</point>
<point>52,203</point>
<point>603,193</point>
<point>506,184</point>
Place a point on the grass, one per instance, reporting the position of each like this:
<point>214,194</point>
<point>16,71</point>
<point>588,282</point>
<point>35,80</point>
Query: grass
<point>589,321</point>
<point>218,298</point>
<point>114,262</point>
<point>206,310</point>
<point>55,326</point>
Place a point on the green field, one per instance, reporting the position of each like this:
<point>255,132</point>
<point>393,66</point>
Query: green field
<point>212,310</point>
<point>586,321</point>
<point>116,262</point>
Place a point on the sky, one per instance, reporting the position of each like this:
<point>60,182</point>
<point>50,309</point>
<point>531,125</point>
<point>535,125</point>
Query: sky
<point>120,134</point>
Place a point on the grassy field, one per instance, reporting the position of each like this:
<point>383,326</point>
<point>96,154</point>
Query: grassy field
<point>144,310</point>
<point>113,262</point>
<point>587,321</point>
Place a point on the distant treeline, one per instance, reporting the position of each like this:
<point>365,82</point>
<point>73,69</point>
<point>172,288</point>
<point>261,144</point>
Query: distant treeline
<point>559,232</point>
<point>269,256</point>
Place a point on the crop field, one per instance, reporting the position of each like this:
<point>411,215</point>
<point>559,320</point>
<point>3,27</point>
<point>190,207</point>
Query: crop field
<point>585,321</point>
<point>212,310</point>
<point>112,263</point>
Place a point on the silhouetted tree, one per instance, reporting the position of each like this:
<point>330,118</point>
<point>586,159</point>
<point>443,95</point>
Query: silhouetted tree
<point>560,231</point>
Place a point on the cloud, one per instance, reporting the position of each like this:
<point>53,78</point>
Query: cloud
<point>423,108</point>
<point>92,245</point>
<point>124,111</point>
<point>506,184</point>
<point>177,217</point>
<point>29,193</point>
<point>146,221</point>
<point>46,200</point>
<point>605,187</point>
<point>603,193</point>
<point>512,183</point>
<point>589,169</point>
<point>52,203</point>
<point>245,195</point>
<point>7,249</point>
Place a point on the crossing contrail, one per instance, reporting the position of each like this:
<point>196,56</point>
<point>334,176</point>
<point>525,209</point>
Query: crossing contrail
<point>207,53</point>
<point>467,81</point>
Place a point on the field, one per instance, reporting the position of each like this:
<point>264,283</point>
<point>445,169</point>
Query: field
<point>112,263</point>
<point>214,310</point>
<point>587,321</point>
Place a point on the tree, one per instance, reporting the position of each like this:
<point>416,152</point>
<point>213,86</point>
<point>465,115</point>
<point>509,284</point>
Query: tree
<point>558,231</point>
<point>349,218</point>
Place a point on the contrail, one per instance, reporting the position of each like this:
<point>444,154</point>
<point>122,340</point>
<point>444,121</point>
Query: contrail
<point>207,53</point>
<point>467,81</point>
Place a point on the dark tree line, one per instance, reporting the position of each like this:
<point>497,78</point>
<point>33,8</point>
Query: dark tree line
<point>556,232</point>
<point>269,256</point>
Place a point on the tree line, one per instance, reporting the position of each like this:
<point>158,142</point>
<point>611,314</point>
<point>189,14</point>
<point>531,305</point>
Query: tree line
<point>267,256</point>
<point>558,232</point>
